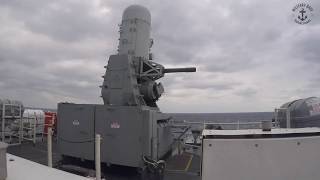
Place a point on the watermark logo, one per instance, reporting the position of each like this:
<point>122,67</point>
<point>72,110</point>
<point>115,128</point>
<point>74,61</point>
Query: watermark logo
<point>302,13</point>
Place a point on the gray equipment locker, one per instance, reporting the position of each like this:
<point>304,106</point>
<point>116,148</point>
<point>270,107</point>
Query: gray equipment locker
<point>128,133</point>
<point>123,137</point>
<point>76,130</point>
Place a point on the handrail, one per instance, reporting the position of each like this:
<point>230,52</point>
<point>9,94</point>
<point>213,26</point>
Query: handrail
<point>237,124</point>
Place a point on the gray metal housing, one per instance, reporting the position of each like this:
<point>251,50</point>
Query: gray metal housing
<point>279,154</point>
<point>128,132</point>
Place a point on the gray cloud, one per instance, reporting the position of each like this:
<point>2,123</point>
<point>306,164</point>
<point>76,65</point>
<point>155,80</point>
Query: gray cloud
<point>52,51</point>
<point>306,46</point>
<point>60,20</point>
<point>246,93</point>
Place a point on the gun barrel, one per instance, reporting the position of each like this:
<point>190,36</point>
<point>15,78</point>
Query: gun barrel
<point>175,70</point>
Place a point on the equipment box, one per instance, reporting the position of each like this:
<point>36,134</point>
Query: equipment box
<point>264,155</point>
<point>76,130</point>
<point>122,134</point>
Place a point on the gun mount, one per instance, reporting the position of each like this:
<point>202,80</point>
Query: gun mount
<point>132,127</point>
<point>130,77</point>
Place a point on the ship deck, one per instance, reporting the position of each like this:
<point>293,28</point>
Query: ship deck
<point>178,167</point>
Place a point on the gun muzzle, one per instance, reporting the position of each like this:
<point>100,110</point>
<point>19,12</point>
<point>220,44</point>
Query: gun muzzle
<point>175,70</point>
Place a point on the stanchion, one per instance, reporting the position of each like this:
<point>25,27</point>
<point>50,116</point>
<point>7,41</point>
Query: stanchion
<point>49,143</point>
<point>97,156</point>
<point>34,129</point>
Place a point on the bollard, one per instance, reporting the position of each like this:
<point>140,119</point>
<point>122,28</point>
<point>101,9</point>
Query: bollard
<point>49,143</point>
<point>97,156</point>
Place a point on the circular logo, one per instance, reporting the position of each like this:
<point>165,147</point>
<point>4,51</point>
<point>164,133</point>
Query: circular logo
<point>302,13</point>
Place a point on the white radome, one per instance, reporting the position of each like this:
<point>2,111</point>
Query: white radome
<point>135,32</point>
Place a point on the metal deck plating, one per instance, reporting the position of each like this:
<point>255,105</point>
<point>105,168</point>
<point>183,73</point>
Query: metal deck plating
<point>179,167</point>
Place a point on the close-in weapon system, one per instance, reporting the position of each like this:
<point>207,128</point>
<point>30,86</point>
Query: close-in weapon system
<point>134,132</point>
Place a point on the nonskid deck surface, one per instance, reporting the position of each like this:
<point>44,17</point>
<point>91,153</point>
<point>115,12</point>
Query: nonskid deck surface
<point>179,167</point>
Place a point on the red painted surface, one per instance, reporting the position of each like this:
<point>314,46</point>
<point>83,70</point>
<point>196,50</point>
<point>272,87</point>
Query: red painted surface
<point>50,120</point>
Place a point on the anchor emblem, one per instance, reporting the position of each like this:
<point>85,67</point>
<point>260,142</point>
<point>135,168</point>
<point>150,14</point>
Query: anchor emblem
<point>302,17</point>
<point>302,13</point>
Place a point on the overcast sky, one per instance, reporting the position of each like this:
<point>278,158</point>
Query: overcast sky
<point>250,54</point>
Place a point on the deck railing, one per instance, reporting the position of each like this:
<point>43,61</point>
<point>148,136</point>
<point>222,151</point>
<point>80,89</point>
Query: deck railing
<point>225,125</point>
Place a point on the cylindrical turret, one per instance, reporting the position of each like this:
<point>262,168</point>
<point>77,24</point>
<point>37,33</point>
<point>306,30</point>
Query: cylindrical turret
<point>130,77</point>
<point>135,32</point>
